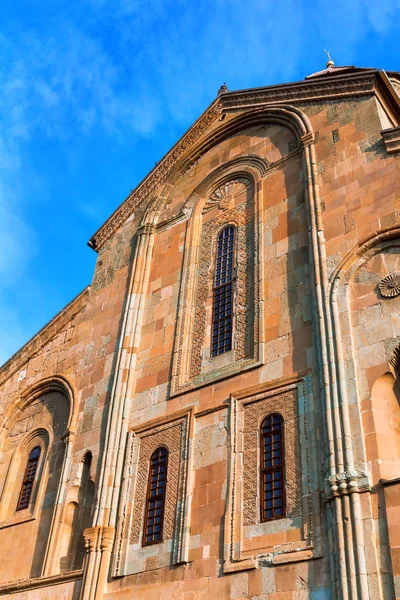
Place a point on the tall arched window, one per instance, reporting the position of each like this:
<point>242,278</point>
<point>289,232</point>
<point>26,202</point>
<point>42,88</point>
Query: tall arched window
<point>155,503</point>
<point>272,468</point>
<point>223,292</point>
<point>29,478</point>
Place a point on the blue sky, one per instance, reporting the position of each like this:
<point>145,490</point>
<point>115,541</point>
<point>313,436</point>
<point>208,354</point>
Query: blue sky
<point>94,92</point>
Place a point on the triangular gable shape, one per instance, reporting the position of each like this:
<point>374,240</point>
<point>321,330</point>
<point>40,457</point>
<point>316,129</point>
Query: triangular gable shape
<point>330,84</point>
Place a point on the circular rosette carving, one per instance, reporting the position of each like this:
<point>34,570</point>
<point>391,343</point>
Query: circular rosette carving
<point>389,286</point>
<point>226,193</point>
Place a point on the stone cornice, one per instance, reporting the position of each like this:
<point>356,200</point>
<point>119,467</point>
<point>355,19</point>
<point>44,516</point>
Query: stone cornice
<point>48,332</point>
<point>362,83</point>
<point>40,582</point>
<point>338,86</point>
<point>391,138</point>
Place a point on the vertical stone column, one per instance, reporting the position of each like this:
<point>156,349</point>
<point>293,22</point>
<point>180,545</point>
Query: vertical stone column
<point>100,538</point>
<point>343,484</point>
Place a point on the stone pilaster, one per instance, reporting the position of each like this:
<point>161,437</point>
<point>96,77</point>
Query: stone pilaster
<point>98,543</point>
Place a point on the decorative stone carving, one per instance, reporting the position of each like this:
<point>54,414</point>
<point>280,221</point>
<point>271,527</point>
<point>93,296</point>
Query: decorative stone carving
<point>347,482</point>
<point>391,137</point>
<point>243,217</point>
<point>129,556</point>
<point>225,194</point>
<point>242,514</point>
<point>286,405</point>
<point>389,286</point>
<point>311,90</point>
<point>171,438</point>
<point>187,371</point>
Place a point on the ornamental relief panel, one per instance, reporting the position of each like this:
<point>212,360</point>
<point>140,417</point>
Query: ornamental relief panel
<point>286,405</point>
<point>230,197</point>
<point>171,438</point>
<point>232,202</point>
<point>130,556</point>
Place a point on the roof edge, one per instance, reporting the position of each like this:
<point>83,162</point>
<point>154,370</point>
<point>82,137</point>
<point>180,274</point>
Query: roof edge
<point>43,336</point>
<point>157,174</point>
<point>359,83</point>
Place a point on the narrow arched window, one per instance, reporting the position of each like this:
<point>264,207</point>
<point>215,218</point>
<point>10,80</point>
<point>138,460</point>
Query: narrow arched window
<point>272,468</point>
<point>155,503</point>
<point>29,478</point>
<point>223,292</point>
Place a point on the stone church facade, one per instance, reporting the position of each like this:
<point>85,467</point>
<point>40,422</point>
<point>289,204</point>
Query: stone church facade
<point>217,415</point>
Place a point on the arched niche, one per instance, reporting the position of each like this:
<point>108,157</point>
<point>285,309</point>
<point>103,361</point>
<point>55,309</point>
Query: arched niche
<point>381,422</point>
<point>76,517</point>
<point>41,416</point>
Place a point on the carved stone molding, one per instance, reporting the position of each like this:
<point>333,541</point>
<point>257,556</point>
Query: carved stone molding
<point>303,91</point>
<point>389,286</point>
<point>242,522</point>
<point>347,482</point>
<point>246,340</point>
<point>171,438</point>
<point>192,365</point>
<point>225,194</point>
<point>286,405</point>
<point>391,137</point>
<point>130,556</point>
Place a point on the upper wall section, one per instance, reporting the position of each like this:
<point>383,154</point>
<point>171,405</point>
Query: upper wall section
<point>269,141</point>
<point>221,120</point>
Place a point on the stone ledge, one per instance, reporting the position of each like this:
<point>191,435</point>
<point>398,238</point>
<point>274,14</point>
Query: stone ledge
<point>38,582</point>
<point>240,565</point>
<point>391,137</point>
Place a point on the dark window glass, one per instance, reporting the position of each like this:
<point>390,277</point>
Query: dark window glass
<point>29,478</point>
<point>272,468</point>
<point>154,517</point>
<point>223,292</point>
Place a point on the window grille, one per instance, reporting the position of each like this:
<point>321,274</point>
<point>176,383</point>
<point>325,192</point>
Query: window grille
<point>272,468</point>
<point>223,292</point>
<point>155,503</point>
<point>29,478</point>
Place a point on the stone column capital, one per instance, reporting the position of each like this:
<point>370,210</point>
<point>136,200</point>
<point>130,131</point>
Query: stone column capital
<point>346,482</point>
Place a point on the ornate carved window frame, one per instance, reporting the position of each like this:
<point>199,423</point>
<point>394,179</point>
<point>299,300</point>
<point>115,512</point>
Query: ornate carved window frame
<point>302,495</point>
<point>159,497</point>
<point>186,375</point>
<point>176,435</point>
<point>273,468</point>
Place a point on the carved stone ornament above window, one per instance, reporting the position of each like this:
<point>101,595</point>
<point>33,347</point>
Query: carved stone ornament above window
<point>389,286</point>
<point>224,195</point>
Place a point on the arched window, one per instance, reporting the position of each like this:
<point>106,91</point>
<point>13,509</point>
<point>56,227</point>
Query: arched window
<point>29,478</point>
<point>155,503</point>
<point>223,292</point>
<point>272,468</point>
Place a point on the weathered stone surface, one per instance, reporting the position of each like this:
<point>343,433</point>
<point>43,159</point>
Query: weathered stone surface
<point>314,192</point>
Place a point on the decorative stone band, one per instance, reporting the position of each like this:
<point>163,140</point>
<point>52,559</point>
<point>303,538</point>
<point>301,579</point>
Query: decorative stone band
<point>391,137</point>
<point>348,482</point>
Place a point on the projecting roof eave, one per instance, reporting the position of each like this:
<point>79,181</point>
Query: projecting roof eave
<point>354,83</point>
